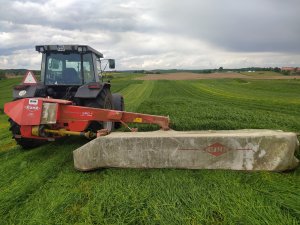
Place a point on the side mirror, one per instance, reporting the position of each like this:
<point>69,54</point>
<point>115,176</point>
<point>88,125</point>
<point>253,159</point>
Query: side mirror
<point>111,63</point>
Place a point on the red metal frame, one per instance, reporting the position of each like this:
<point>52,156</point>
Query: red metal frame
<point>27,113</point>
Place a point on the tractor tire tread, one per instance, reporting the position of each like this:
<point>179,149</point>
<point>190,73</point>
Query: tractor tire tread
<point>118,102</point>
<point>25,143</point>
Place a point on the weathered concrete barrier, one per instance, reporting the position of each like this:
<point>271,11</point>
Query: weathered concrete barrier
<point>234,150</point>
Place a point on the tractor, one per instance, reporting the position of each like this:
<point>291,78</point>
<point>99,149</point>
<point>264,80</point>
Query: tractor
<point>73,73</point>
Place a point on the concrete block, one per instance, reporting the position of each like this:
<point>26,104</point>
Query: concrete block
<point>231,150</point>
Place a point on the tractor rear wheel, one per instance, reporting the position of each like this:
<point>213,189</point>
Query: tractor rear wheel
<point>118,102</point>
<point>103,101</point>
<point>25,143</point>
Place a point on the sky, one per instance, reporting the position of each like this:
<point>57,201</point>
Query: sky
<point>155,34</point>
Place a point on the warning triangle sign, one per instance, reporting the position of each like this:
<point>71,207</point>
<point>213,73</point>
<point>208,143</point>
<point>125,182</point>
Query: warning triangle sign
<point>29,78</point>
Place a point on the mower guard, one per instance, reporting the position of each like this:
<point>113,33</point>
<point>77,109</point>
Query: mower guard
<point>231,150</point>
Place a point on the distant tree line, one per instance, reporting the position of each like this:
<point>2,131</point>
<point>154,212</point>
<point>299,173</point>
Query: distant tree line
<point>220,69</point>
<point>4,73</point>
<point>147,71</point>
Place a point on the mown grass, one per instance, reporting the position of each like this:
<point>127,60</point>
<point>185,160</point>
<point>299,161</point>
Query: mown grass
<point>40,186</point>
<point>6,90</point>
<point>136,93</point>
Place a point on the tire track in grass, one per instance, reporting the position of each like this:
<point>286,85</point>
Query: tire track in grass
<point>135,94</point>
<point>168,98</point>
<point>119,85</point>
<point>167,89</point>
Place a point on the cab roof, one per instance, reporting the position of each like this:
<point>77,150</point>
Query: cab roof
<point>67,48</point>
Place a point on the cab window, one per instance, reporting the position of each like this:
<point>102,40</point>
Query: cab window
<point>63,69</point>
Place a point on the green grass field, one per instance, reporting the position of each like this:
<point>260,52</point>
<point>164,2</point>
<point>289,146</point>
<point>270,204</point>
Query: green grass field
<point>40,186</point>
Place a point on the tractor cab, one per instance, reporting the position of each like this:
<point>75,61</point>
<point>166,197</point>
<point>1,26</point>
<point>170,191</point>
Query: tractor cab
<point>70,72</point>
<point>70,65</point>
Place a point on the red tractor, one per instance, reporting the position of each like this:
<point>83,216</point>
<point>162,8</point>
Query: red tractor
<point>70,99</point>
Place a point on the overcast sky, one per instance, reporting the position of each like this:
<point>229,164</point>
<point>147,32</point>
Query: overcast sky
<point>152,34</point>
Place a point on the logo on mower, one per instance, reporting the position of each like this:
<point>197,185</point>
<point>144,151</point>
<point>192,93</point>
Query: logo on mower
<point>32,108</point>
<point>216,149</point>
<point>32,105</point>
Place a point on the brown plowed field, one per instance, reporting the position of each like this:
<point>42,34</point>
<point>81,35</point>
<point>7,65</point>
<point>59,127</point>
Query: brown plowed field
<point>199,76</point>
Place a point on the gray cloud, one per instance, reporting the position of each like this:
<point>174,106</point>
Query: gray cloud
<point>156,34</point>
<point>243,26</point>
<point>106,15</point>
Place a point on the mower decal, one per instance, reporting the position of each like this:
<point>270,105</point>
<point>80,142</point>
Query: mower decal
<point>90,114</point>
<point>216,149</point>
<point>32,108</point>
<point>22,93</point>
<point>32,105</point>
<point>138,120</point>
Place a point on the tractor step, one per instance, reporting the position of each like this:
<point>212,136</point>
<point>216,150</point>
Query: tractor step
<point>233,150</point>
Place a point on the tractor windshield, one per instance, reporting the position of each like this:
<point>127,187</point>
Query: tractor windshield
<point>69,69</point>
